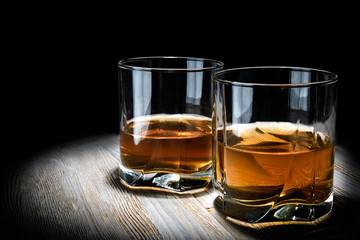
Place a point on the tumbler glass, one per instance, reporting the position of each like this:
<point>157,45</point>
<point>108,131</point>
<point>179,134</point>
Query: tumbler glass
<point>165,123</point>
<point>274,138</point>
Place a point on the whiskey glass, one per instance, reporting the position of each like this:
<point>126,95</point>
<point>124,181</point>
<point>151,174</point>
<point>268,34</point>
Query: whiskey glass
<point>165,123</point>
<point>274,138</point>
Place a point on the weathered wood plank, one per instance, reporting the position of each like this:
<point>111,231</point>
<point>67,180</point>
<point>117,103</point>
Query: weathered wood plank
<point>74,191</point>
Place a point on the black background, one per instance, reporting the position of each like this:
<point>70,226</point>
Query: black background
<point>60,80</point>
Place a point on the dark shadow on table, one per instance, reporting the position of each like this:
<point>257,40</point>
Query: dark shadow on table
<point>343,224</point>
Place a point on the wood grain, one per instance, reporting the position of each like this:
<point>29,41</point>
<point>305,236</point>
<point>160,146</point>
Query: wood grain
<point>73,191</point>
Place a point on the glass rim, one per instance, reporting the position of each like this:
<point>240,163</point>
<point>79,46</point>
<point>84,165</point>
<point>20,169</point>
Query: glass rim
<point>126,64</point>
<point>216,77</point>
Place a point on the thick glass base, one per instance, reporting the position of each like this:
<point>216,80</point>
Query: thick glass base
<point>260,216</point>
<point>164,181</point>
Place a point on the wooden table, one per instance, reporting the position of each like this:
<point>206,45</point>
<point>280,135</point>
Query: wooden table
<point>73,191</point>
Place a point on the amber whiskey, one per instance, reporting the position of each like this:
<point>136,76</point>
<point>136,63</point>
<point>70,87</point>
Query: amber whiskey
<point>272,163</point>
<point>179,143</point>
